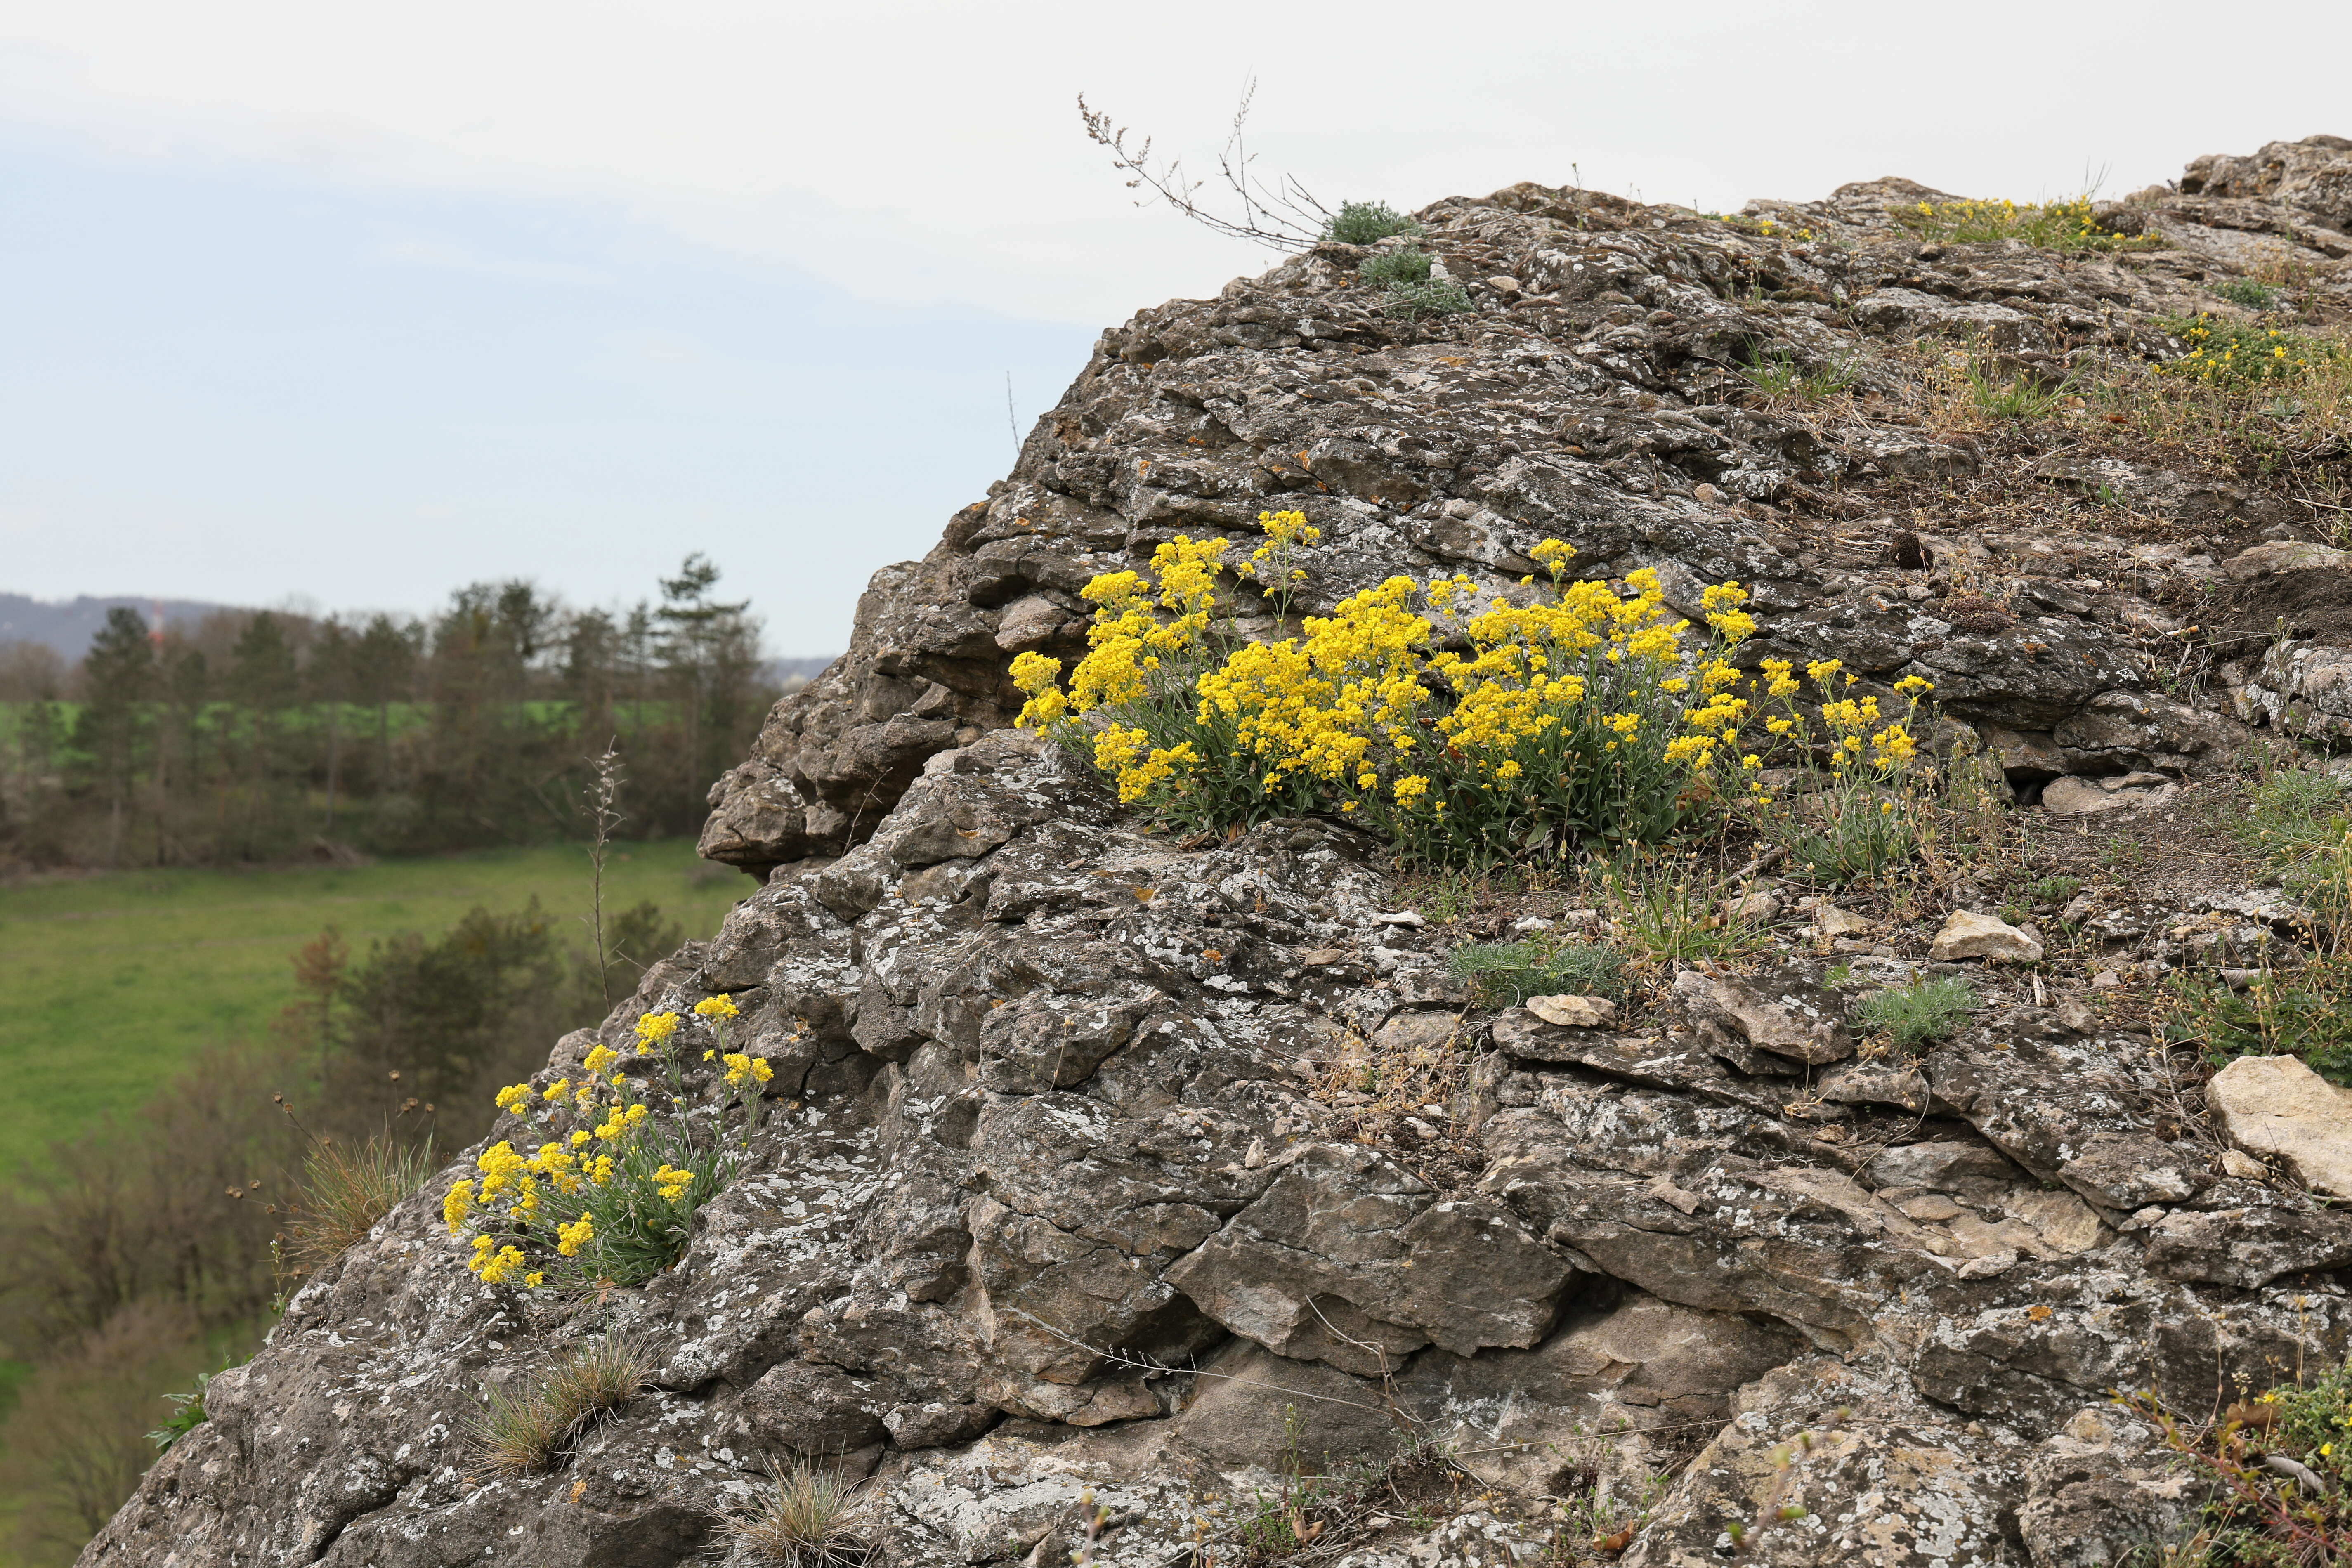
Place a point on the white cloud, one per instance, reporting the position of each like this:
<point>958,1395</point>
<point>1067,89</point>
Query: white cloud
<point>928,151</point>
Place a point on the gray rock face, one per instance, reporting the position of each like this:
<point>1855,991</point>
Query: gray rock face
<point>1058,1200</point>
<point>2312,178</point>
<point>1597,399</point>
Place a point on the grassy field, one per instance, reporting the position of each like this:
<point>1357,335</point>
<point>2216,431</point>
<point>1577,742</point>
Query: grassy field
<point>110,980</point>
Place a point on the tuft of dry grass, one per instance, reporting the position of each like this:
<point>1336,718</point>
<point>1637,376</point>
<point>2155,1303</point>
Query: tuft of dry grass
<point>346,1190</point>
<point>520,1431</point>
<point>812,1518</point>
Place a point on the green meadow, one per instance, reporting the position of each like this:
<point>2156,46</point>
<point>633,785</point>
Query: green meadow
<point>112,981</point>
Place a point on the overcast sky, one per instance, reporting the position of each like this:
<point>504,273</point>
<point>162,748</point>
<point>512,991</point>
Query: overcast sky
<point>351,304</point>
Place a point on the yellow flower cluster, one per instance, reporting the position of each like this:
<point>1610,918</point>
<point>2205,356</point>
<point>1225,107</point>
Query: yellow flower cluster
<point>653,1028</point>
<point>515,1202</point>
<point>497,1266</point>
<point>2066,225</point>
<point>1851,724</point>
<point>2225,353</point>
<point>1565,699</point>
<point>743,1070</point>
<point>1128,755</point>
<point>1274,563</point>
<point>1865,809</point>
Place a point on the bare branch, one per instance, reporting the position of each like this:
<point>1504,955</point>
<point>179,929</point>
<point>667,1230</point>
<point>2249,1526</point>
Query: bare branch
<point>1283,217</point>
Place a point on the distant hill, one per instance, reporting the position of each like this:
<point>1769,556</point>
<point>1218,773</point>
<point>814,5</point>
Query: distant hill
<point>68,624</point>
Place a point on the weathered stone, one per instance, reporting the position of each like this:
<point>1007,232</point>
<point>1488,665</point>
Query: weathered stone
<point>2041,1094</point>
<point>2277,1106</point>
<point>2129,1171</point>
<point>2248,1247</point>
<point>1347,1259</point>
<point>2100,1488</point>
<point>1638,1364</point>
<point>1830,921</point>
<point>1788,1012</point>
<point>1871,1473</point>
<point>1969,935</point>
<point>2286,555</point>
<point>1574,1012</point>
<point>2305,687</point>
<point>2089,797</point>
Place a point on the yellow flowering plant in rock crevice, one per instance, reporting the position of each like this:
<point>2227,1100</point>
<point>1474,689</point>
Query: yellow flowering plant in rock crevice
<point>626,1156</point>
<point>1132,708</point>
<point>1867,804</point>
<point>1463,733</point>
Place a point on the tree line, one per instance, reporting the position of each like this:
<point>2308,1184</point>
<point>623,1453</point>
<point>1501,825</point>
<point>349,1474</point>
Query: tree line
<point>261,736</point>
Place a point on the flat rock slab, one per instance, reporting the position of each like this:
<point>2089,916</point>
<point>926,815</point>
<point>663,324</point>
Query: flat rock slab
<point>2072,796</point>
<point>2285,556</point>
<point>2247,1248</point>
<point>2278,1107</point>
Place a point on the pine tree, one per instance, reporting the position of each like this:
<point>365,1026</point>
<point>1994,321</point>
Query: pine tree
<point>118,676</point>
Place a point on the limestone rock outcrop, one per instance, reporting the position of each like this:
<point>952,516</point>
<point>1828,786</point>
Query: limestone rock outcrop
<point>1077,1182</point>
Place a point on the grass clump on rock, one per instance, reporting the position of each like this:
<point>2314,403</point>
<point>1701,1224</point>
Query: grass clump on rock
<point>810,1517</point>
<point>1505,973</point>
<point>1437,296</point>
<point>1921,1013</point>
<point>520,1431</point>
<point>346,1190</point>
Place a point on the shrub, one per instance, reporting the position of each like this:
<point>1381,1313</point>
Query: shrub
<point>812,1517</point>
<point>344,1191</point>
<point>1505,973</point>
<point>609,1195</point>
<point>518,1432</point>
<point>1438,297</point>
<point>1391,268</point>
<point>1865,806</point>
<point>1569,715</point>
<point>2069,226</point>
<point>1920,1013</point>
<point>444,1013</point>
<point>1367,223</point>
